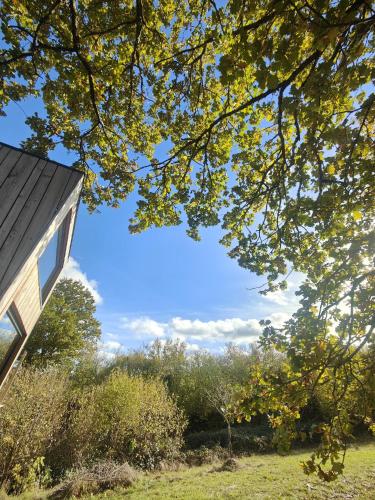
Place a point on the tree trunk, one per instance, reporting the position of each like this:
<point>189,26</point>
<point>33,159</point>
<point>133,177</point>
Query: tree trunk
<point>229,430</point>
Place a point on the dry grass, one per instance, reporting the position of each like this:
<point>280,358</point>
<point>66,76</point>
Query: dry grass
<point>103,476</point>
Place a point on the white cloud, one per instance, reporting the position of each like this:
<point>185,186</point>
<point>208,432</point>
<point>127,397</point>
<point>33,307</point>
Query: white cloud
<point>73,271</point>
<point>279,318</point>
<point>110,345</point>
<point>231,329</point>
<point>279,297</point>
<point>285,298</point>
<point>240,327</point>
<point>196,334</point>
<point>144,326</point>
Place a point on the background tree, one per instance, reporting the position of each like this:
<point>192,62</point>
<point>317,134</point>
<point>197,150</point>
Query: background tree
<point>67,327</point>
<point>162,359</point>
<point>222,397</point>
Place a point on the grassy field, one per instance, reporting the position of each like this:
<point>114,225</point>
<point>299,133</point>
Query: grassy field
<point>259,477</point>
<point>265,477</point>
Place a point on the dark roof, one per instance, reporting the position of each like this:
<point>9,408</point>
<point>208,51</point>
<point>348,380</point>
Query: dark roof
<point>32,191</point>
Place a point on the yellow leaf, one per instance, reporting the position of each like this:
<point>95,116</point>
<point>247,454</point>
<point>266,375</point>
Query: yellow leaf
<point>331,169</point>
<point>356,215</point>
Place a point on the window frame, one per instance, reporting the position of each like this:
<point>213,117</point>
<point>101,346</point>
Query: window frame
<point>62,241</point>
<point>16,346</point>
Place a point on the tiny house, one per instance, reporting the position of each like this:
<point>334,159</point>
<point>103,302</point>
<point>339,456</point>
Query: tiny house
<point>38,207</point>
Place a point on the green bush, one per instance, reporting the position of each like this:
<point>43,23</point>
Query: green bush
<point>125,418</point>
<point>30,422</point>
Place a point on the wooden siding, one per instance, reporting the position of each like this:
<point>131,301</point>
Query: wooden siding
<point>32,192</point>
<point>27,301</point>
<point>69,207</point>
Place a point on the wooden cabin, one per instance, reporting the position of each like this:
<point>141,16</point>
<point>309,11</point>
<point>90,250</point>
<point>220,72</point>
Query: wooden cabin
<point>38,207</point>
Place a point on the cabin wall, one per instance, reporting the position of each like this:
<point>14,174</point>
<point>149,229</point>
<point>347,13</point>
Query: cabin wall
<point>37,198</point>
<point>27,301</point>
<point>21,278</point>
<point>23,297</point>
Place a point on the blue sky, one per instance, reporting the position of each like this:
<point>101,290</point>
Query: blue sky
<point>160,283</point>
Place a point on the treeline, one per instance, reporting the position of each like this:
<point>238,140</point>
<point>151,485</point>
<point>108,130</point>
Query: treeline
<point>64,408</point>
<point>145,408</point>
<point>203,384</point>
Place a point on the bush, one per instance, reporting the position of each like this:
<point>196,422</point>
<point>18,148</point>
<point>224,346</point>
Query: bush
<point>30,420</point>
<point>126,418</point>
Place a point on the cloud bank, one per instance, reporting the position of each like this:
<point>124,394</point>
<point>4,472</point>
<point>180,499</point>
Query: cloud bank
<point>223,330</point>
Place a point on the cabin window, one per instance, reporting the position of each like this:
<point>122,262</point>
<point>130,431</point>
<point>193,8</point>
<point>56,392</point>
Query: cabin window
<point>51,260</point>
<point>48,261</point>
<point>9,337</point>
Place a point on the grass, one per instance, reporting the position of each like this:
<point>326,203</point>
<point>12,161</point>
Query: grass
<point>259,477</point>
<point>263,477</point>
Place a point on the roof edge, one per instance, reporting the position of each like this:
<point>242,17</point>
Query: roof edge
<point>24,151</point>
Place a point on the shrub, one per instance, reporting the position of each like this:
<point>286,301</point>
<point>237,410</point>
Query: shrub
<point>126,418</point>
<point>30,420</point>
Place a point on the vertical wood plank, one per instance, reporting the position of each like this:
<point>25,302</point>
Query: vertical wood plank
<point>8,163</point>
<point>70,185</point>
<point>3,153</point>
<point>23,238</point>
<point>14,237</point>
<point>20,202</point>
<point>14,183</point>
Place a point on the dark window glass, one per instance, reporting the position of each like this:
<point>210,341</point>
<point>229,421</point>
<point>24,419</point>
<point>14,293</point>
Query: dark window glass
<point>9,336</point>
<point>47,262</point>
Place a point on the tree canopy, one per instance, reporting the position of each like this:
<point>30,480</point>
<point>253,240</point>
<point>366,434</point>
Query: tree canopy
<point>67,327</point>
<point>263,108</point>
<point>255,115</point>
